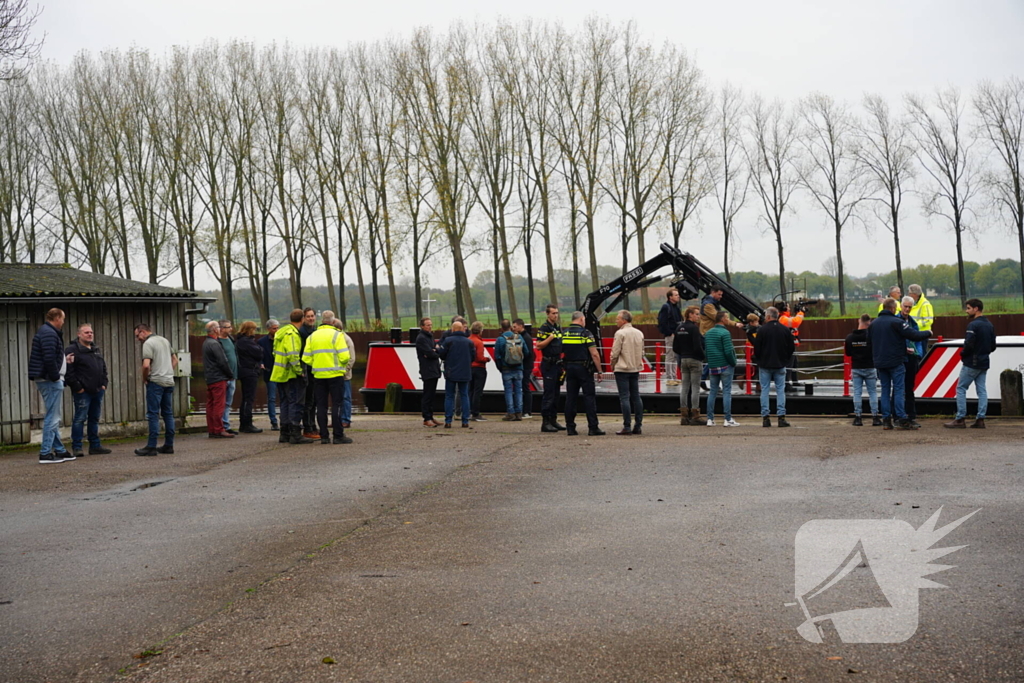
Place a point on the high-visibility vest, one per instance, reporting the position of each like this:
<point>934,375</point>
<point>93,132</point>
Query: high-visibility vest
<point>793,322</point>
<point>326,352</point>
<point>923,313</point>
<point>287,345</point>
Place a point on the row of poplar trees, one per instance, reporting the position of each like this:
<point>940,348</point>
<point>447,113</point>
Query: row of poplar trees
<point>525,144</point>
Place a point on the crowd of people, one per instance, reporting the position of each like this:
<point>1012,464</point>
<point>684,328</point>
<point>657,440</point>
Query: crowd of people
<point>307,369</point>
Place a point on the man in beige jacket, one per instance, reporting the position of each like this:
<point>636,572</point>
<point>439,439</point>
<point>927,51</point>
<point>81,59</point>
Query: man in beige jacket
<point>627,361</point>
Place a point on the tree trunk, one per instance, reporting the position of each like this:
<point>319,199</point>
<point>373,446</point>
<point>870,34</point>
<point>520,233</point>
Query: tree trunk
<point>839,266</point>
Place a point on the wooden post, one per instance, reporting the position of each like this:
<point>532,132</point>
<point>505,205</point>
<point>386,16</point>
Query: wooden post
<point>393,398</point>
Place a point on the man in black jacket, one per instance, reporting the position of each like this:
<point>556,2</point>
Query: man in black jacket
<point>773,349</point>
<point>47,365</point>
<point>430,369</point>
<point>979,343</point>
<point>217,373</point>
<point>669,319</point>
<point>87,379</point>
<point>858,348</point>
<point>688,345</point>
<point>457,351</point>
<point>889,335</point>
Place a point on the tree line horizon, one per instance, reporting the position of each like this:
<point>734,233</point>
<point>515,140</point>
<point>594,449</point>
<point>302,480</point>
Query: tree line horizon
<point>515,142</point>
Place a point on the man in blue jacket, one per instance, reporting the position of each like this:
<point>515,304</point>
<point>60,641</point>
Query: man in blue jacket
<point>457,351</point>
<point>46,367</point>
<point>669,319</point>
<point>889,335</point>
<point>979,343</point>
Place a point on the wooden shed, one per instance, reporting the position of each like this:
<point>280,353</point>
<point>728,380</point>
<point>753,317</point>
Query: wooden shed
<point>113,306</point>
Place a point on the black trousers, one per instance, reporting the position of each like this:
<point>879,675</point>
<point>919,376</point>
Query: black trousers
<point>427,400</point>
<point>913,365</point>
<point>476,390</point>
<point>331,388</point>
<point>579,377</point>
<point>309,404</point>
<point>248,398</point>
<point>552,374</point>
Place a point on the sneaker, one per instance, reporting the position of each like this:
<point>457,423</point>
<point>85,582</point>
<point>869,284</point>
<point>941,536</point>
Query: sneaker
<point>342,439</point>
<point>857,422</point>
<point>49,458</point>
<point>711,422</point>
<point>731,423</point>
<point>527,416</point>
<point>146,450</point>
<point>766,421</point>
<point>65,455</point>
<point>478,418</point>
<point>99,451</point>
<point>166,449</point>
<point>783,422</point>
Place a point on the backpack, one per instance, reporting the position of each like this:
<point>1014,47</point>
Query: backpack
<point>513,350</point>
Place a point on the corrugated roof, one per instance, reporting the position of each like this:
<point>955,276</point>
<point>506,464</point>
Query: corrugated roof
<point>58,280</point>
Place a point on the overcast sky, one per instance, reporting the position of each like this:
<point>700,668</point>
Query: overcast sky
<point>782,48</point>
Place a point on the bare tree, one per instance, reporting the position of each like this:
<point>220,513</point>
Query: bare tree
<point>887,155</point>
<point>17,47</point>
<point>731,178</point>
<point>21,175</point>
<point>1001,110</point>
<point>831,173</point>
<point>772,156</point>
<point>945,152</point>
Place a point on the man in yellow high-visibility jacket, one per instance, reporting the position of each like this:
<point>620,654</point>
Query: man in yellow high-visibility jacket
<point>291,385</point>
<point>326,353</point>
<point>922,311</point>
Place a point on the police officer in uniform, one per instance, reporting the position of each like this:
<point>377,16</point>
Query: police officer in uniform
<point>549,341</point>
<point>579,349</point>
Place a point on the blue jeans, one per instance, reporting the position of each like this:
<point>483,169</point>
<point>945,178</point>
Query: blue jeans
<point>767,376</point>
<point>346,400</point>
<point>868,378</point>
<point>87,408</point>
<point>978,377</point>
<point>228,397</point>
<point>52,394</point>
<point>630,403</point>
<point>450,387</point>
<point>272,401</point>
<point>725,381</point>
<point>893,392</point>
<point>159,402</point>
<point>512,379</point>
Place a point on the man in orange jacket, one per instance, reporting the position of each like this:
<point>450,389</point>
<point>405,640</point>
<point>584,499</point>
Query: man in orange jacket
<point>793,322</point>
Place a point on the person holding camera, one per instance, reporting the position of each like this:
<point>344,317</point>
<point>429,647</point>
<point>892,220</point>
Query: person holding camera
<point>793,322</point>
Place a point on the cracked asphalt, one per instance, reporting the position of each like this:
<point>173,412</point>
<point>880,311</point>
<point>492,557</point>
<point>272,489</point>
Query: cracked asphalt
<point>498,554</point>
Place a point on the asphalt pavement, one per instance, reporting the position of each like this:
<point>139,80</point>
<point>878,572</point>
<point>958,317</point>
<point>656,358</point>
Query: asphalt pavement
<point>501,554</point>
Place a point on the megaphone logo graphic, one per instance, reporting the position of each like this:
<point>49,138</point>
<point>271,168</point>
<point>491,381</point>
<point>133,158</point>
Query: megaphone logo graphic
<point>859,578</point>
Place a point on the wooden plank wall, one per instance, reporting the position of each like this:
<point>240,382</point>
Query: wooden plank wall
<point>113,323</point>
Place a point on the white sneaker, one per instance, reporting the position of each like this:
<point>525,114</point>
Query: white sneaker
<point>711,423</point>
<point>732,423</point>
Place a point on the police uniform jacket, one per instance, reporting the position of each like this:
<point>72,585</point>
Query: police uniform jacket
<point>576,344</point>
<point>552,351</point>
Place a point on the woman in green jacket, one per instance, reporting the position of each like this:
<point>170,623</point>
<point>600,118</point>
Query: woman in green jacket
<point>721,359</point>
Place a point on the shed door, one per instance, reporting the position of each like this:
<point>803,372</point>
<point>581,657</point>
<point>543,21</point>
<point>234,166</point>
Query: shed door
<point>15,344</point>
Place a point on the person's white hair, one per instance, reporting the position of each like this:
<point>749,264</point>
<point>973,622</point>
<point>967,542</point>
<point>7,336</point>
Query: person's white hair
<point>914,289</point>
<point>771,313</point>
<point>212,327</point>
<point>327,318</point>
<point>273,323</point>
<point>907,300</point>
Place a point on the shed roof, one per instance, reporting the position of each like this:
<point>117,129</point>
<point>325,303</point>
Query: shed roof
<point>47,280</point>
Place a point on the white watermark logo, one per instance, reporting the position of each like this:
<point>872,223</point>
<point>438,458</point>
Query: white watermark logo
<point>860,577</point>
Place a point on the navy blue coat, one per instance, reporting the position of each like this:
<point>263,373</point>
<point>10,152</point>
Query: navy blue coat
<point>979,343</point>
<point>889,334</point>
<point>47,354</point>
<point>669,318</point>
<point>458,352</point>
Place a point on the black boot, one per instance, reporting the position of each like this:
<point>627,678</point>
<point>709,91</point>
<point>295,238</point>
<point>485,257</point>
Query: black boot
<point>766,421</point>
<point>857,422</point>
<point>554,423</point>
<point>547,427</point>
<point>783,422</point>
<point>876,421</point>
<point>887,423</point>
<point>285,434</point>
<point>297,437</point>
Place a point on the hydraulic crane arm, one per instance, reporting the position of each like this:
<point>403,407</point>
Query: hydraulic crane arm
<point>689,276</point>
